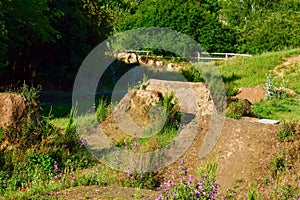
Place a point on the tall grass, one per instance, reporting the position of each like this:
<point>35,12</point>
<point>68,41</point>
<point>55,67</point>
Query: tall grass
<point>103,110</point>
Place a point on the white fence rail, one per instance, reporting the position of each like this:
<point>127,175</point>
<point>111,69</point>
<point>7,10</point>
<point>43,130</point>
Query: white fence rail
<point>200,55</point>
<point>225,56</point>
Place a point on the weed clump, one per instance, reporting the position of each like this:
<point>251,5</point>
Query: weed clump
<point>103,110</point>
<point>276,89</point>
<point>287,132</point>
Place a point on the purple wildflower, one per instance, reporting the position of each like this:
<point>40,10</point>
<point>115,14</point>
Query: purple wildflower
<point>169,183</point>
<point>185,171</point>
<point>128,173</point>
<point>56,166</point>
<point>142,175</point>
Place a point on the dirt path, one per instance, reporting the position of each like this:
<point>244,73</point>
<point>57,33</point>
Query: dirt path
<point>103,193</point>
<point>289,63</point>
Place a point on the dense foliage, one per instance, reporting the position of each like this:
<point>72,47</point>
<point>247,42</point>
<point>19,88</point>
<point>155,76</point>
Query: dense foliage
<point>45,41</point>
<point>198,20</point>
<point>263,26</point>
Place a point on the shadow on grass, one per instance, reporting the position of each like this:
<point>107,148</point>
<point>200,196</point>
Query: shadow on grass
<point>231,79</point>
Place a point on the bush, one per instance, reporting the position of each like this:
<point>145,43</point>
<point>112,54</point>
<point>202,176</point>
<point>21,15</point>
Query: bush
<point>192,74</point>
<point>238,108</point>
<point>230,90</point>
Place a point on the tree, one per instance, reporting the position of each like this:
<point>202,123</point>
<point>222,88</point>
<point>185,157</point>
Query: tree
<point>199,20</point>
<point>25,27</point>
<point>3,40</point>
<point>46,40</point>
<point>278,30</point>
<point>263,25</point>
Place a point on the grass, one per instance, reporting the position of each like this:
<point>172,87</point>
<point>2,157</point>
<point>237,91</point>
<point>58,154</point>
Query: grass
<point>100,175</point>
<point>286,109</point>
<point>160,140</point>
<point>58,113</point>
<point>251,72</point>
<point>57,110</point>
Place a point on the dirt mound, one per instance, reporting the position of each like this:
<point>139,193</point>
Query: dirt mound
<point>243,152</point>
<point>253,95</point>
<point>130,105</point>
<point>12,110</point>
<point>192,97</point>
<point>131,113</point>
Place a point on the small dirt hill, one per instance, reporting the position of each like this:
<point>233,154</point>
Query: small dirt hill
<point>243,152</point>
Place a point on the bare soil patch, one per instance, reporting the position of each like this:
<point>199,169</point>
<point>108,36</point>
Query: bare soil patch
<point>103,193</point>
<point>253,95</point>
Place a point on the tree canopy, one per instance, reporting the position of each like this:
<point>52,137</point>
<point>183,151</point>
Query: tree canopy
<point>45,41</point>
<point>263,25</point>
<point>199,20</point>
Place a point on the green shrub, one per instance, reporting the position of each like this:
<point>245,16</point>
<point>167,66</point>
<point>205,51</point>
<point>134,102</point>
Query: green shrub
<point>230,90</point>
<point>140,180</point>
<point>253,193</point>
<point>277,164</point>
<point>237,109</point>
<point>192,74</point>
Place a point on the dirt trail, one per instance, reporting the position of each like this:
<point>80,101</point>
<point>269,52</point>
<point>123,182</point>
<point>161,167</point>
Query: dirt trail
<point>104,193</point>
<point>289,63</point>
